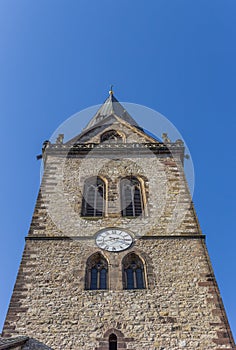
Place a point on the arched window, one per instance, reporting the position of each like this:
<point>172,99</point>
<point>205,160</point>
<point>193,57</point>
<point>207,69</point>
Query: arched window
<point>112,342</point>
<point>96,272</point>
<point>131,197</point>
<point>111,136</point>
<point>93,197</point>
<point>133,272</point>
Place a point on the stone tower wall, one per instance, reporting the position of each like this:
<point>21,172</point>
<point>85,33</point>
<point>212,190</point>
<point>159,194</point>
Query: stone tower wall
<point>181,306</point>
<point>168,207</point>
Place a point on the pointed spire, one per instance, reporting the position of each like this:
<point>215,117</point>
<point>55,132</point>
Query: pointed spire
<point>111,107</point>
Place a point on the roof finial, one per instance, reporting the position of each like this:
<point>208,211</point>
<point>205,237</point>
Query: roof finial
<point>111,91</point>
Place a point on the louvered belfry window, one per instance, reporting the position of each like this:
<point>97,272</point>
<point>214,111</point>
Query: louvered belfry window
<point>93,203</point>
<point>131,197</point>
<point>133,272</point>
<point>97,271</point>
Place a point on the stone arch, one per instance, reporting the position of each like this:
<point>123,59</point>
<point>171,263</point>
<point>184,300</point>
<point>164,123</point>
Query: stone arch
<point>122,341</point>
<point>149,270</point>
<point>134,271</point>
<point>94,197</point>
<point>96,274</point>
<point>112,136</point>
<point>132,193</point>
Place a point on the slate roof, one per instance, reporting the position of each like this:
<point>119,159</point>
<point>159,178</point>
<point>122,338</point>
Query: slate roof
<point>10,343</point>
<point>111,112</point>
<point>111,107</point>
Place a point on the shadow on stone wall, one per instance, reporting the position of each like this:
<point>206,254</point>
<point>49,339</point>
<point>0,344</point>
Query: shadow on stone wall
<point>33,344</point>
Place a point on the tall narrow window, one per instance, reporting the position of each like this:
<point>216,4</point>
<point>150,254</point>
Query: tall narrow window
<point>96,272</point>
<point>112,342</point>
<point>131,197</point>
<point>93,197</point>
<point>133,272</point>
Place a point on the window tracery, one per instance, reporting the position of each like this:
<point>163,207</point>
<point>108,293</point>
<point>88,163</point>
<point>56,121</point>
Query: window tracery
<point>94,196</point>
<point>133,272</point>
<point>131,197</point>
<point>96,272</point>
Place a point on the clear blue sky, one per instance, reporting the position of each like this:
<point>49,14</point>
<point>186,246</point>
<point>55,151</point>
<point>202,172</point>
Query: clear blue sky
<point>175,56</point>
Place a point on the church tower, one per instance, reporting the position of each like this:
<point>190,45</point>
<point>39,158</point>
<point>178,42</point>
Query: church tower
<point>115,258</point>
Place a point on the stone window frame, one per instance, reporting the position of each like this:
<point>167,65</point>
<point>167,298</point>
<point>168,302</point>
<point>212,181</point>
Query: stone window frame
<point>143,198</point>
<point>92,261</point>
<point>140,264</point>
<point>90,181</point>
<point>119,137</point>
<point>121,340</point>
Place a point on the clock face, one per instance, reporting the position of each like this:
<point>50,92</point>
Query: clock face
<point>113,240</point>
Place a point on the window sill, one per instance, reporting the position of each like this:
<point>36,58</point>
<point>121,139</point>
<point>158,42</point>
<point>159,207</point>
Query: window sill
<point>92,218</point>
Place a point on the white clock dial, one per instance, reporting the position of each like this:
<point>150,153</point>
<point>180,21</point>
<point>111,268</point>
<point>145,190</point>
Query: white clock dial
<point>113,240</point>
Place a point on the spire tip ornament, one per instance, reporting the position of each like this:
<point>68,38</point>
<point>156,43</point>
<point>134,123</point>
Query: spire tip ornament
<point>111,91</point>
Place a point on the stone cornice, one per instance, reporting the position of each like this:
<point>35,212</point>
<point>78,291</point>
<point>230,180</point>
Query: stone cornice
<point>84,238</point>
<point>126,148</point>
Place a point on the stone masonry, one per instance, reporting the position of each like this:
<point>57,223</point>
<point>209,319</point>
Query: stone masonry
<point>180,308</point>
